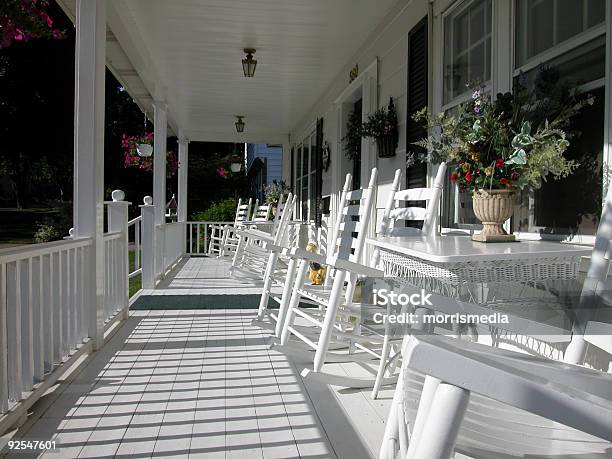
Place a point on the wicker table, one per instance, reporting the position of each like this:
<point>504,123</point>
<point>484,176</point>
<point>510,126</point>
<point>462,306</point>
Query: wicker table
<point>482,273</point>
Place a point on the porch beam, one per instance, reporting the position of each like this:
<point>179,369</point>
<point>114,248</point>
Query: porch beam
<point>88,202</point>
<point>160,147</point>
<point>183,152</point>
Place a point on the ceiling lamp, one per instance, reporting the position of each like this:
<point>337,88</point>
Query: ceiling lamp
<point>249,64</point>
<point>239,124</point>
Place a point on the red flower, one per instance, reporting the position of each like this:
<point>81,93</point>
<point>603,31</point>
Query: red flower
<point>468,176</point>
<point>453,177</point>
<point>499,163</point>
<point>504,181</point>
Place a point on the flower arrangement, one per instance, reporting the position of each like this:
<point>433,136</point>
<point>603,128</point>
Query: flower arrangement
<point>516,141</point>
<point>275,190</point>
<point>21,20</point>
<point>132,159</point>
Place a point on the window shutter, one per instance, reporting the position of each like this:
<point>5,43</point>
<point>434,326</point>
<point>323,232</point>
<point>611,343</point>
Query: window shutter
<point>416,175</point>
<point>319,174</point>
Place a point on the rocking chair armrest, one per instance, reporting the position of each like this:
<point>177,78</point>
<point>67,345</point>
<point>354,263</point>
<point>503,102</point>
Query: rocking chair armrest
<point>301,254</point>
<point>255,234</point>
<point>357,268</point>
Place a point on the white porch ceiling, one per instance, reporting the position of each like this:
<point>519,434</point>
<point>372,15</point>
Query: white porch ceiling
<point>188,53</point>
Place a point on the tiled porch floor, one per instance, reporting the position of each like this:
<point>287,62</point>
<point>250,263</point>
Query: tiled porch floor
<point>204,383</point>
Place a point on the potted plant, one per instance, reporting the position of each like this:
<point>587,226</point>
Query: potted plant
<point>382,126</point>
<point>275,191</point>
<point>499,147</point>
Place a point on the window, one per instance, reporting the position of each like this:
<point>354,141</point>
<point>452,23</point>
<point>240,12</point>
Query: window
<point>305,176</point>
<point>467,48</point>
<point>572,205</point>
<point>543,24</point>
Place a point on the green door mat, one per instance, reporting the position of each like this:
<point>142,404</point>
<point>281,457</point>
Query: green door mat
<point>147,302</point>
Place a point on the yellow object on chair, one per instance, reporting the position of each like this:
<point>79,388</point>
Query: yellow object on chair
<point>316,272</point>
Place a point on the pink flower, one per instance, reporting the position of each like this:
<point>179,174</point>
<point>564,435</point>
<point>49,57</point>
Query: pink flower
<point>222,172</point>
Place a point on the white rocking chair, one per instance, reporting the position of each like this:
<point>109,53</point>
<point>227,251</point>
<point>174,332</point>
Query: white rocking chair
<point>337,316</point>
<point>396,211</point>
<point>223,241</point>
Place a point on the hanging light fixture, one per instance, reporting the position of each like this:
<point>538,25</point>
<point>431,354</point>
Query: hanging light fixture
<point>144,150</point>
<point>249,64</point>
<point>239,124</point>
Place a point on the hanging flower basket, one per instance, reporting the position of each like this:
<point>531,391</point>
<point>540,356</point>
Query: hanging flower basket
<point>382,126</point>
<point>386,145</point>
<point>132,157</point>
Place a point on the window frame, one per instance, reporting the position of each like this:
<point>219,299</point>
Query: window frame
<point>303,202</point>
<point>504,70</point>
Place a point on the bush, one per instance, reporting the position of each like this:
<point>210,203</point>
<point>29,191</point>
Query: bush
<point>46,233</point>
<point>222,211</point>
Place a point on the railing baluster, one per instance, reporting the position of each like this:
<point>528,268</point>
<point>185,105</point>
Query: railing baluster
<point>198,239</point>
<point>14,330</point>
<point>137,244</point>
<point>4,393</point>
<point>57,313</point>
<point>37,318</point>
<point>48,311</point>
<point>69,302</point>
<point>27,340</point>
<point>75,300</point>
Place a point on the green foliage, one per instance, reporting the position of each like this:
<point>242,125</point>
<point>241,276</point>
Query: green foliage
<point>221,211</point>
<point>47,233</point>
<point>516,141</point>
<point>381,123</point>
<point>275,190</point>
<point>352,139</point>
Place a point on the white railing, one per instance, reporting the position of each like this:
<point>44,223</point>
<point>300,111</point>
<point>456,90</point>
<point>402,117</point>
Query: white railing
<point>115,274</point>
<point>49,313</point>
<point>173,238</point>
<point>44,316</point>
<point>199,240</point>
<point>134,227</point>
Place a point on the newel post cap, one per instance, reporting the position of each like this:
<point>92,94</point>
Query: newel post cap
<point>148,201</point>
<point>118,195</point>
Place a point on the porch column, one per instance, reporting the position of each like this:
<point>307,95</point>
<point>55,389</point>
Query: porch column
<point>88,201</point>
<point>183,152</point>
<point>160,148</point>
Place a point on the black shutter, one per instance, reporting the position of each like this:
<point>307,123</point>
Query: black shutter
<point>292,173</point>
<point>416,175</point>
<point>319,173</point>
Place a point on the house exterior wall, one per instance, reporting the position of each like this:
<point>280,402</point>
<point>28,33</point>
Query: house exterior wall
<point>272,159</point>
<point>387,48</point>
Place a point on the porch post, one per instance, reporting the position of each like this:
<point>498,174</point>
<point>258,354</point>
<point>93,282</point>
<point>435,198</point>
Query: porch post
<point>160,148</point>
<point>88,204</point>
<point>183,165</point>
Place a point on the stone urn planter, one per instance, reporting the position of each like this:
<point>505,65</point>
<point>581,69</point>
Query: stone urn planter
<point>493,208</point>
